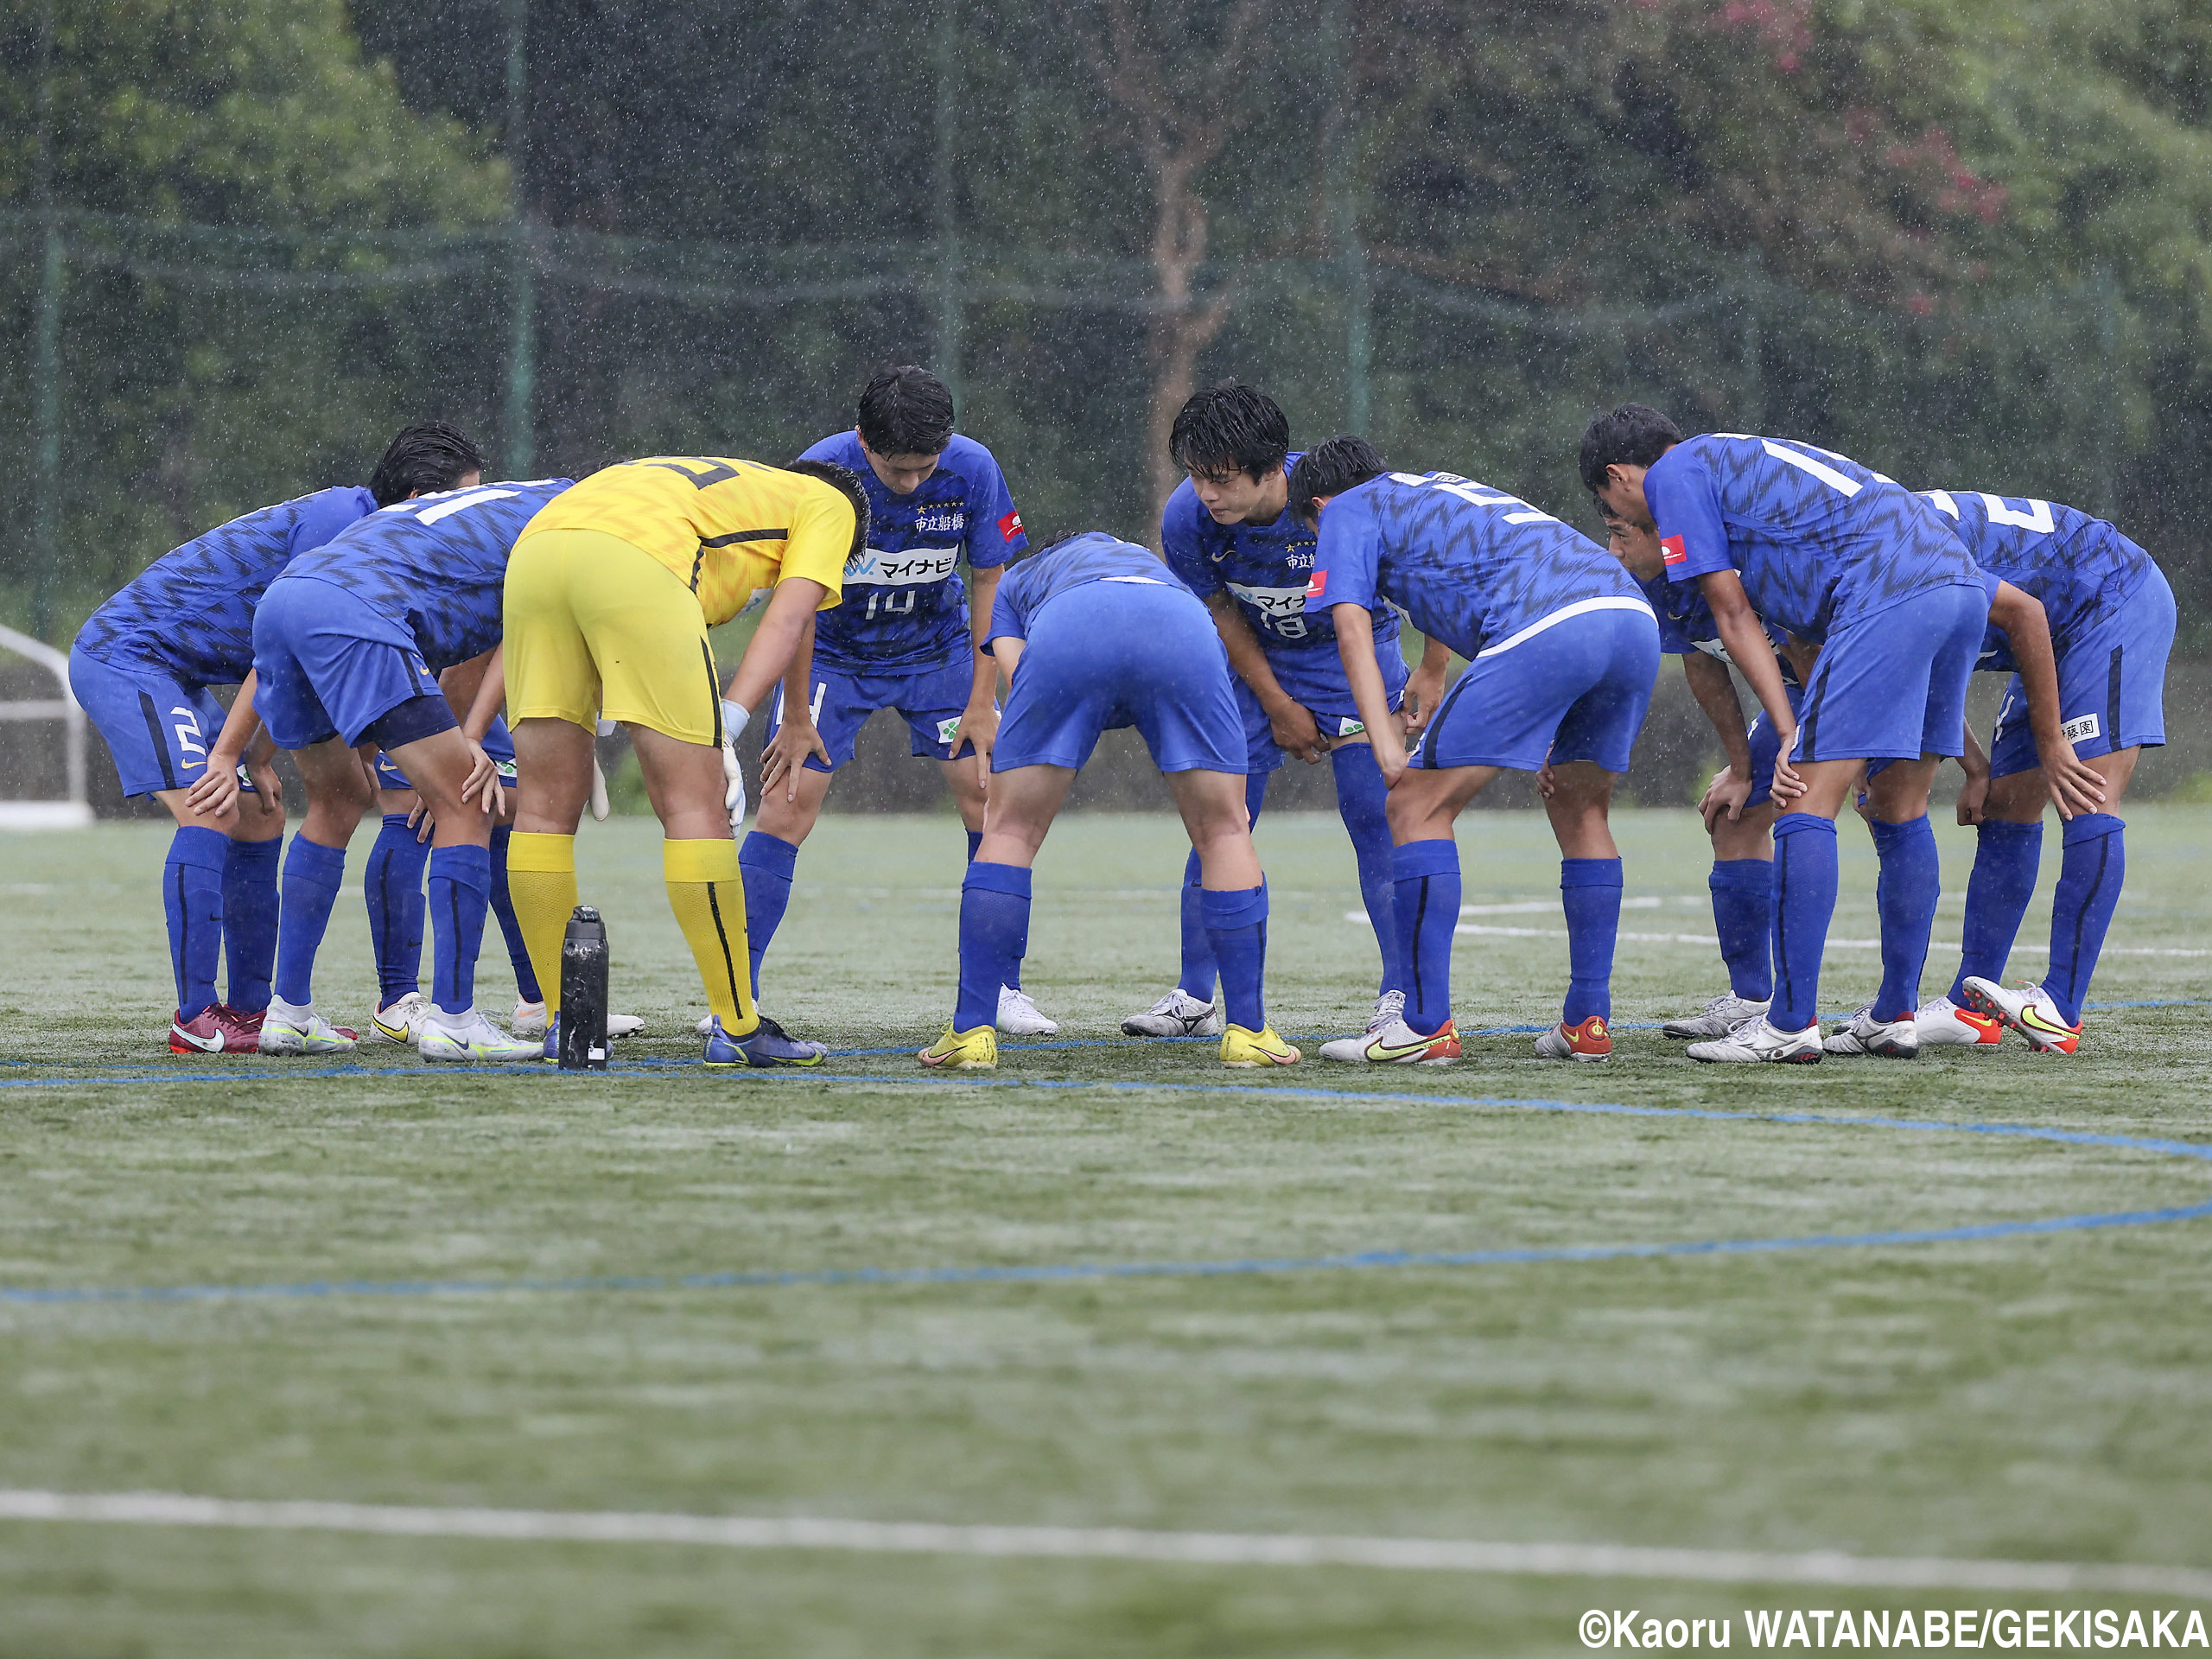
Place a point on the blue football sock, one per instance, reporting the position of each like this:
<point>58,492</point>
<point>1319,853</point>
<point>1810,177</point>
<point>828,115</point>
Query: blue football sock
<point>974,840</point>
<point>2090,872</point>
<point>1911,880</point>
<point>192,895</point>
<point>313,873</point>
<point>993,928</point>
<point>460,893</point>
<point>503,906</point>
<point>1804,903</point>
<point>1237,922</point>
<point>1743,917</point>
<point>1425,894</point>
<point>1199,970</point>
<point>250,920</point>
<point>1589,892</point>
<point>2007,857</point>
<point>392,884</point>
<point>766,861</point>
<point>1361,803</point>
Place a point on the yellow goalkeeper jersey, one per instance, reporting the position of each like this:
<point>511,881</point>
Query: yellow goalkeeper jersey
<point>725,527</point>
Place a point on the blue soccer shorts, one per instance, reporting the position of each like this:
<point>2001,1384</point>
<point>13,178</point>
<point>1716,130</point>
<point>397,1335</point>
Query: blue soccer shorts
<point>1892,686</point>
<point>930,700</point>
<point>498,743</point>
<point>1314,675</point>
<point>322,672</point>
<point>1571,686</point>
<point>1124,651</point>
<point>2112,684</point>
<point>158,728</point>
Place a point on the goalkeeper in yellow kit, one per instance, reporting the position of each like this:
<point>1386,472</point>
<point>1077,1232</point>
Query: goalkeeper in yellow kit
<point>610,592</point>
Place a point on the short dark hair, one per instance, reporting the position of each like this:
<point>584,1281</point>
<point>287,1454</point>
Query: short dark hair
<point>1634,435</point>
<point>1331,468</point>
<point>425,458</point>
<point>1227,426</point>
<point>846,482</point>
<point>905,411</point>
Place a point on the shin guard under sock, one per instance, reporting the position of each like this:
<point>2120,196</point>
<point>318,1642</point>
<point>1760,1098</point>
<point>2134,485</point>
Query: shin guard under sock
<point>542,880</point>
<point>391,883</point>
<point>766,862</point>
<point>2090,874</point>
<point>1236,923</point>
<point>1911,883</point>
<point>1589,892</point>
<point>1743,920</point>
<point>250,870</point>
<point>503,906</point>
<point>1804,903</point>
<point>192,898</point>
<point>1425,894</point>
<point>313,873</point>
<point>1199,970</point>
<point>1362,797</point>
<point>2007,857</point>
<point>993,931</point>
<point>706,894</point>
<point>460,893</point>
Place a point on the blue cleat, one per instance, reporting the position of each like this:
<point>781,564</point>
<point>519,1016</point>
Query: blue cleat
<point>766,1045</point>
<point>552,1054</point>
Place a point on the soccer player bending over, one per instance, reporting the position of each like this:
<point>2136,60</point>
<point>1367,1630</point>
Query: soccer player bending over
<point>904,636</point>
<point>348,646</point>
<point>1738,805</point>
<point>141,667</point>
<point>1093,634</point>
<point>1228,532</point>
<point>609,597</point>
<point>1562,651</point>
<point>2111,617</point>
<point>1781,533</point>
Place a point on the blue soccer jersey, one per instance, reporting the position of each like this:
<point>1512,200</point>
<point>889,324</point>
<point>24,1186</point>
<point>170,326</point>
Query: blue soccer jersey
<point>428,574</point>
<point>1686,625</point>
<point>1067,565</point>
<point>1818,539</point>
<point>1266,567</point>
<point>905,607</point>
<point>2080,568</point>
<point>1470,565</point>
<point>191,611</point>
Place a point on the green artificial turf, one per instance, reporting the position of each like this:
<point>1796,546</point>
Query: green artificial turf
<point>2017,1397</point>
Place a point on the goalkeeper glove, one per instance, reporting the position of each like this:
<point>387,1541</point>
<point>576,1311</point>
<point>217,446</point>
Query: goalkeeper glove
<point>735,716</point>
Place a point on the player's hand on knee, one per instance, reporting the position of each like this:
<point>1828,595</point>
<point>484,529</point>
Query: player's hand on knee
<point>1296,731</point>
<point>484,776</point>
<point>1973,799</point>
<point>1724,798</point>
<point>216,794</point>
<point>1389,757</point>
<point>1787,785</point>
<point>788,751</point>
<point>2074,786</point>
<point>421,820</point>
<point>1547,782</point>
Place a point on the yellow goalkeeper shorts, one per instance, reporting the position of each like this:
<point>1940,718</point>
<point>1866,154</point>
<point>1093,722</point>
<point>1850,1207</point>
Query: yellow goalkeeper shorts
<point>596,626</point>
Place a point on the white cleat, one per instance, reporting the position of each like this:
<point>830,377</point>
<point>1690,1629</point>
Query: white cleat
<point>2029,1010</point>
<point>1892,1039</point>
<point>470,1036</point>
<point>1721,1015</point>
<point>394,1023</point>
<point>1020,1017</point>
<point>529,1021</point>
<point>1756,1040</point>
<point>1389,1007</point>
<point>1396,1044</point>
<point>1943,1024</point>
<point>296,1028</point>
<point>1175,1014</point>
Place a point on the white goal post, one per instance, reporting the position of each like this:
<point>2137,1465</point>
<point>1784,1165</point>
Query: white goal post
<point>72,813</point>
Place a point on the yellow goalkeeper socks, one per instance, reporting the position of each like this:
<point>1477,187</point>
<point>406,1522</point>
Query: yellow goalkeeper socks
<point>707,893</point>
<point>542,880</point>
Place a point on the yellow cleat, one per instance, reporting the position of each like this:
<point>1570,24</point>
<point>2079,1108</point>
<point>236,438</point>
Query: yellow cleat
<point>964,1051</point>
<point>1248,1050</point>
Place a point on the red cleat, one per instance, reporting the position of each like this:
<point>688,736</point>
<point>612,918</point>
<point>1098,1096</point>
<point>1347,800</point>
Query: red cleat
<point>241,1030</point>
<point>204,1035</point>
<point>1588,1041</point>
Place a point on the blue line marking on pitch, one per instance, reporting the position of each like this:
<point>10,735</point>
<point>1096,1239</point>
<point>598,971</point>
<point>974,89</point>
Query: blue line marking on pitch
<point>1058,1272</point>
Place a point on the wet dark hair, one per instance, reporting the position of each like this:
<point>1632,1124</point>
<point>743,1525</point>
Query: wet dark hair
<point>1331,468</point>
<point>1230,426</point>
<point>1634,435</point>
<point>905,411</point>
<point>847,483</point>
<point>425,458</point>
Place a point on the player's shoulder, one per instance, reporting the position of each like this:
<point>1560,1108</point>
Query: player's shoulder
<point>963,454</point>
<point>841,448</point>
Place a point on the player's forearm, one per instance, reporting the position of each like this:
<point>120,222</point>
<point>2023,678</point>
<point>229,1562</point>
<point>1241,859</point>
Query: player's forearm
<point>240,725</point>
<point>1744,636</point>
<point>2020,615</point>
<point>1246,657</point>
<point>1435,657</point>
<point>1974,763</point>
<point>1356,650</point>
<point>983,594</point>
<point>1713,689</point>
<point>491,694</point>
<point>783,642</point>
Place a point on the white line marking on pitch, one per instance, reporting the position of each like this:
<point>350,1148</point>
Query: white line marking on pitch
<point>1106,1543</point>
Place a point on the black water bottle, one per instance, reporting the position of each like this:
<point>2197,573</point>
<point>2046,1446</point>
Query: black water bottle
<point>583,993</point>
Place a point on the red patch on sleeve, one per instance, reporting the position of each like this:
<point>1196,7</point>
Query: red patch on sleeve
<point>1671,550</point>
<point>1010,526</point>
<point>1313,588</point>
